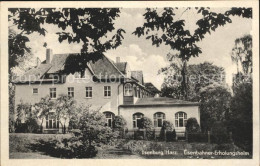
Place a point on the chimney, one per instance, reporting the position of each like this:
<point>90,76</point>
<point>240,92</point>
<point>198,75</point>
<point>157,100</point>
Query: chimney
<point>117,59</point>
<point>49,55</point>
<point>38,62</point>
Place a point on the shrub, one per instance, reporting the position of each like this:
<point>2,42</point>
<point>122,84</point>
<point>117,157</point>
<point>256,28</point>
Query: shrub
<point>119,124</point>
<point>147,124</point>
<point>170,136</point>
<point>92,127</point>
<point>219,133</point>
<point>197,137</point>
<point>90,134</point>
<point>192,126</point>
<point>73,123</point>
<point>20,127</point>
<point>167,127</point>
<point>65,148</point>
<point>31,125</point>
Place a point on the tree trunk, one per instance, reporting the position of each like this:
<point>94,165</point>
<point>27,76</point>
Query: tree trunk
<point>184,81</point>
<point>64,129</point>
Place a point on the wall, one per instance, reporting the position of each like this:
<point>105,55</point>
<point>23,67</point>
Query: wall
<point>98,101</point>
<point>148,111</point>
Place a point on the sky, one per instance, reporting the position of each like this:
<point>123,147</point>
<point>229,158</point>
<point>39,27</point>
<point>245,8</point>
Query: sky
<point>141,55</point>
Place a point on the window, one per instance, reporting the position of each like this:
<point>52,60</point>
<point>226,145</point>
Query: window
<point>180,119</point>
<point>88,92</point>
<point>109,117</point>
<point>128,90</point>
<point>138,92</point>
<point>135,91</point>
<point>71,91</point>
<point>137,120</point>
<point>52,122</point>
<point>35,90</point>
<point>107,91</point>
<point>158,117</point>
<point>53,93</point>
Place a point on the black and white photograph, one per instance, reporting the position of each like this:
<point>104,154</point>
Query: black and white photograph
<point>149,82</point>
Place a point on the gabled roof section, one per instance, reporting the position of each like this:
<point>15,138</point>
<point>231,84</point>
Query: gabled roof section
<point>103,68</point>
<point>138,75</point>
<point>151,87</point>
<point>121,66</point>
<point>34,74</point>
<point>58,62</point>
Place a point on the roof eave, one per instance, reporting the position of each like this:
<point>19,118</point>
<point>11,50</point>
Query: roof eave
<point>159,105</point>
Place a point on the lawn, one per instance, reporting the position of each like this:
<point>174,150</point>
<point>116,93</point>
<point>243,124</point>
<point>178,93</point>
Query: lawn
<point>19,144</point>
<point>184,150</point>
<point>128,149</point>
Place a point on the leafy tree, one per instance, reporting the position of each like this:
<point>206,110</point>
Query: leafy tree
<point>11,91</point>
<point>162,28</point>
<point>192,126</point>
<point>42,108</point>
<point>242,54</point>
<point>241,113</point>
<point>177,82</point>
<point>92,127</point>
<point>220,133</point>
<point>197,76</point>
<point>26,118</point>
<point>176,36</point>
<point>17,47</point>
<point>23,110</point>
<point>65,107</point>
<point>92,27</point>
<point>215,105</point>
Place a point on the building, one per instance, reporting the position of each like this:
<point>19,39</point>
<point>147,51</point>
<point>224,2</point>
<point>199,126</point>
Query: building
<point>106,85</point>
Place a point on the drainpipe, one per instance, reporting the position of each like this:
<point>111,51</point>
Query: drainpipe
<point>118,97</point>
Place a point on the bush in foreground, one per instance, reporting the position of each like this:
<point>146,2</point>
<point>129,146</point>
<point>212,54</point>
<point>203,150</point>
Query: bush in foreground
<point>192,126</point>
<point>167,132</point>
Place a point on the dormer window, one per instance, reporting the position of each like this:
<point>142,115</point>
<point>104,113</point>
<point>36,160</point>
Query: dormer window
<point>128,91</point>
<point>35,90</point>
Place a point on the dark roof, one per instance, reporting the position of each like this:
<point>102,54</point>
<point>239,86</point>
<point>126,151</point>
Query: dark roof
<point>121,66</point>
<point>151,87</point>
<point>138,75</point>
<point>161,101</point>
<point>103,67</point>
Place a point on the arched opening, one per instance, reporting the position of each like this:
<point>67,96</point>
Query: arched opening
<point>109,118</point>
<point>137,119</point>
<point>128,90</point>
<point>180,119</point>
<point>158,118</point>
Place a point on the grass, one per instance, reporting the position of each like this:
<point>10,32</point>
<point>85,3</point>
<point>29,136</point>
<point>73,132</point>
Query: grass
<point>19,144</point>
<point>175,150</point>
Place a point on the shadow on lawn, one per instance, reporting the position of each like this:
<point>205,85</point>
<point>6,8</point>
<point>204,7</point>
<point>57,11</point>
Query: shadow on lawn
<point>63,149</point>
